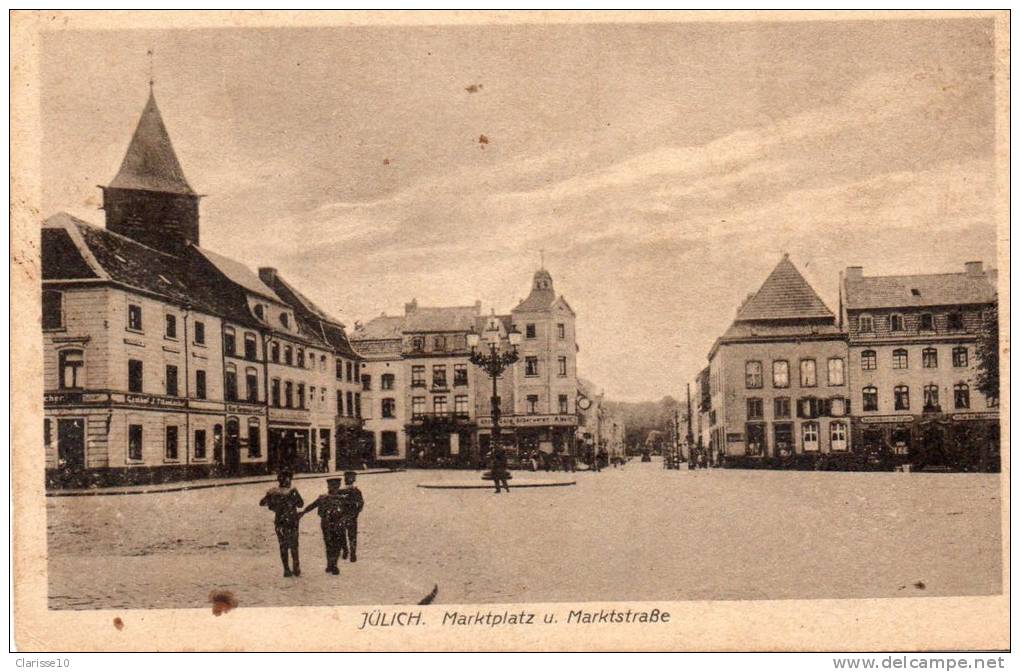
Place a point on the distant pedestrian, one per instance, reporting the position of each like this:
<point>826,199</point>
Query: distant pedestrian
<point>500,472</point>
<point>352,502</point>
<point>284,501</point>
<point>330,508</point>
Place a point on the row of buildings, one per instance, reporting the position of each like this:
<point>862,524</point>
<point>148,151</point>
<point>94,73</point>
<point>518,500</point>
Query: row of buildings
<point>889,380</point>
<point>165,360</point>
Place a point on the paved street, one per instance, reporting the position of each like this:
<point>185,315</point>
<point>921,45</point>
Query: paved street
<point>638,533</point>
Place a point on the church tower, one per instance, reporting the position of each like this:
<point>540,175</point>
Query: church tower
<point>150,200</point>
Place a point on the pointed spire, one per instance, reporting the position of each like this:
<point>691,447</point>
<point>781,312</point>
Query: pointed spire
<point>150,163</point>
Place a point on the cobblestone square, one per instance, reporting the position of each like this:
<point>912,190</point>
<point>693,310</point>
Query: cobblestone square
<point>636,533</point>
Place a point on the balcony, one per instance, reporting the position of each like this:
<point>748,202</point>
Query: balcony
<point>441,419</point>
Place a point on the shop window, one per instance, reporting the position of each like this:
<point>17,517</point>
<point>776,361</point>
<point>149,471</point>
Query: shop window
<point>870,398</point>
<point>171,442</point>
<point>781,407</point>
<point>134,317</point>
<point>960,357</point>
<point>809,436</point>
<point>755,446</point>
<point>900,359</point>
<point>135,375</point>
<point>388,444</point>
<point>901,398</point>
<point>135,443</point>
<point>72,367</point>
<point>52,309</point>
<point>869,360</point>
<point>836,371</point>
<point>200,389</point>
<point>961,395</point>
<point>808,373</point>
<point>780,373</point>
<point>254,438</point>
<point>200,444</point>
<point>171,380</point>
<point>837,436</point>
<point>755,409</point>
<point>752,375</point>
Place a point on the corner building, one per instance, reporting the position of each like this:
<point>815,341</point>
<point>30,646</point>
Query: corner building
<point>778,393</point>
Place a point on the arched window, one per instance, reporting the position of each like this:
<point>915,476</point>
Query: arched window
<point>961,395</point>
<point>254,438</point>
<point>72,368</point>
<point>931,397</point>
<point>901,398</point>
<point>866,324</point>
<point>900,359</point>
<point>869,361</point>
<point>896,322</point>
<point>930,358</point>
<point>250,346</point>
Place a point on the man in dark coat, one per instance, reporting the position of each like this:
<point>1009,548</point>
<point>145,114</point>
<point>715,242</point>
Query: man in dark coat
<point>500,472</point>
<point>330,508</point>
<point>284,501</point>
<point>352,504</point>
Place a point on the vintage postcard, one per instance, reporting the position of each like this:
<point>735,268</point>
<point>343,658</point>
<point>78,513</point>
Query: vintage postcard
<point>510,331</point>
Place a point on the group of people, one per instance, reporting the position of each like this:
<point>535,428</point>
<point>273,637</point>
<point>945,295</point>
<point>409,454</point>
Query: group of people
<point>338,511</point>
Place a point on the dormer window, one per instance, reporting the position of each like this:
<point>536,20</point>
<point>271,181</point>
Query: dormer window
<point>927,322</point>
<point>955,322</point>
<point>260,311</point>
<point>866,324</point>
<point>285,320</point>
<point>896,322</point>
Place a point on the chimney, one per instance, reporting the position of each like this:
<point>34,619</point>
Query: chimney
<point>974,268</point>
<point>267,275</point>
<point>411,308</point>
<point>854,272</point>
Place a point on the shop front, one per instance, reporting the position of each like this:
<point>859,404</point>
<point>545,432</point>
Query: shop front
<point>931,441</point>
<point>524,436</point>
<point>442,440</point>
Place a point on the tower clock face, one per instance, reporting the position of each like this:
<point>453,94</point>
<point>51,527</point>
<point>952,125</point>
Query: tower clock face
<point>583,402</point>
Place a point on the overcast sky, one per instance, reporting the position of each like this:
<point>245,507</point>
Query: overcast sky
<point>663,168</point>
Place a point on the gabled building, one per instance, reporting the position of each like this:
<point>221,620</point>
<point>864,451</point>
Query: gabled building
<point>165,360</point>
<point>913,366</point>
<point>777,377</point>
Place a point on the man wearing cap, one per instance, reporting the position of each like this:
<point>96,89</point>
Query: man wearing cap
<point>330,508</point>
<point>284,501</point>
<point>352,505</point>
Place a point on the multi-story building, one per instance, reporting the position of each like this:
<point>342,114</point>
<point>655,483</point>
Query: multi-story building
<point>439,407</point>
<point>913,367</point>
<point>777,377</point>
<point>165,360</point>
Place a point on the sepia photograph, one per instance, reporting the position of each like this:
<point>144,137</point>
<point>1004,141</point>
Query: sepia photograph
<point>471,323</point>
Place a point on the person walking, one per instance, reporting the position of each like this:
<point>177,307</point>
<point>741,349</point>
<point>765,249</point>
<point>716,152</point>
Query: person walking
<point>500,472</point>
<point>352,502</point>
<point>330,508</point>
<point>284,501</point>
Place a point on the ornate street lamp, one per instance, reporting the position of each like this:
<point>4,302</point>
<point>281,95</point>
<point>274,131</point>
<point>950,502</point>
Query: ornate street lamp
<point>494,363</point>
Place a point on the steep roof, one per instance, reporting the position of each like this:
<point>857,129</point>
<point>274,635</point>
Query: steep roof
<point>239,274</point>
<point>902,291</point>
<point>150,162</point>
<point>380,329</point>
<point>61,257</point>
<point>311,319</point>
<point>453,318</point>
<point>785,294</point>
